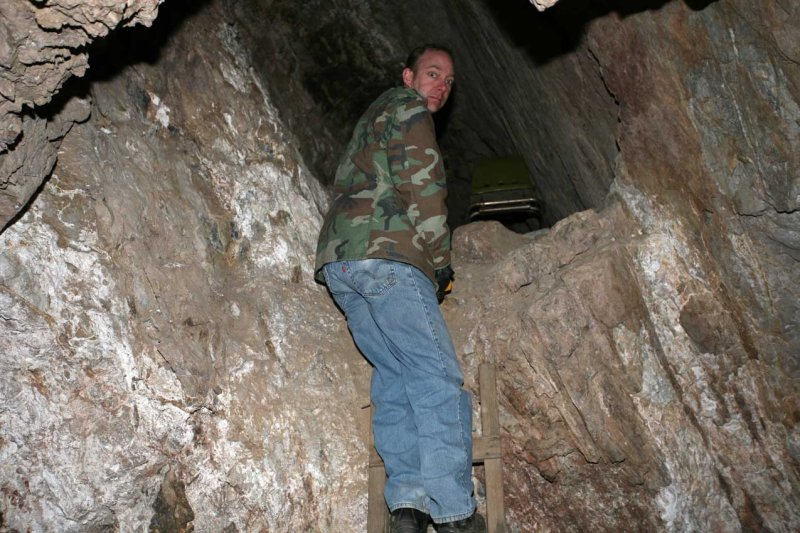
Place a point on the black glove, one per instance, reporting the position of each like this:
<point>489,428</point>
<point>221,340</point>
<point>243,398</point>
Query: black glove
<point>444,282</point>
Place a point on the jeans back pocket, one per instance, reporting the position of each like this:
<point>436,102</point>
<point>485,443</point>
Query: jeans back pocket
<point>373,277</point>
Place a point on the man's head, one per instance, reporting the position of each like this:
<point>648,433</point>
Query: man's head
<point>429,70</point>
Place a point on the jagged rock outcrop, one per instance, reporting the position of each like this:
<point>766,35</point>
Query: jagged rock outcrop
<point>43,45</point>
<point>167,362</point>
<point>633,401</point>
<point>541,5</point>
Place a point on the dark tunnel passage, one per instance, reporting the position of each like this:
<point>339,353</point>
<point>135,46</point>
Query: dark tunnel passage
<point>526,85</point>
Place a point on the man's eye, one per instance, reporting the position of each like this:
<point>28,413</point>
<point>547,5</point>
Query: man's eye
<point>450,82</point>
<point>433,74</point>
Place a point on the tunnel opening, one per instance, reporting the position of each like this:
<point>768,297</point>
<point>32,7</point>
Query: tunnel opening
<point>324,65</point>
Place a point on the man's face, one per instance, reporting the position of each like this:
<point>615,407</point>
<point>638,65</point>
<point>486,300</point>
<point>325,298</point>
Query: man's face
<point>433,78</point>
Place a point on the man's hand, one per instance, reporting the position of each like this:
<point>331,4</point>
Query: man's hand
<point>444,282</point>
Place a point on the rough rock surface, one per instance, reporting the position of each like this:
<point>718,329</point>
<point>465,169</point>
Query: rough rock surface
<point>42,45</point>
<point>541,5</point>
<point>166,361</point>
<point>630,400</point>
<point>161,331</point>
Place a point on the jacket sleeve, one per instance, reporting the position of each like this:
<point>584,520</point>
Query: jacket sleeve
<point>417,170</point>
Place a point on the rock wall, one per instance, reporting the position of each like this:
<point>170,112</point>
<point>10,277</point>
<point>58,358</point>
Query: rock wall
<point>617,418</point>
<point>161,333</point>
<point>42,45</point>
<point>651,361</point>
<point>167,362</point>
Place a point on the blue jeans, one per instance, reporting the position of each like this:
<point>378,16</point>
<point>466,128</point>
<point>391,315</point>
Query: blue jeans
<point>423,417</point>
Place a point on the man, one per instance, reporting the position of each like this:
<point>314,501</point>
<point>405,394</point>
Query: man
<point>384,253</point>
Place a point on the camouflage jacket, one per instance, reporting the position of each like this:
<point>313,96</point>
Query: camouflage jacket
<point>390,190</point>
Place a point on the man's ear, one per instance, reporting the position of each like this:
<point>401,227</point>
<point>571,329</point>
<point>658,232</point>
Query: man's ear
<point>408,77</point>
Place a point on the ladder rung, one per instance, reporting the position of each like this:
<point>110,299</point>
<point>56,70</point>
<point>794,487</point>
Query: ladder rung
<point>485,447</point>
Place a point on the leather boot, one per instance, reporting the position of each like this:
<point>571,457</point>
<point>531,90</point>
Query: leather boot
<point>473,524</point>
<point>408,520</point>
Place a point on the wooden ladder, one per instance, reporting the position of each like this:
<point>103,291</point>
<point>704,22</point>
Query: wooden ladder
<point>485,449</point>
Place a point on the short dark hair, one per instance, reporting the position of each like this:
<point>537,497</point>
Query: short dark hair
<point>416,53</point>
